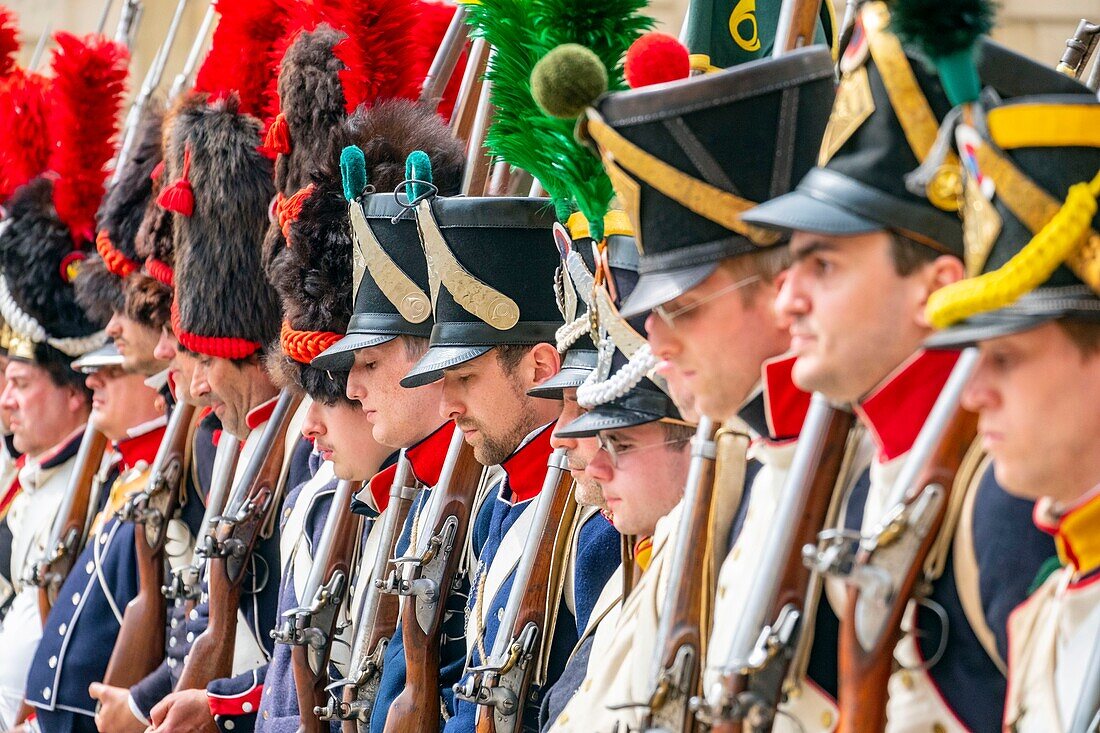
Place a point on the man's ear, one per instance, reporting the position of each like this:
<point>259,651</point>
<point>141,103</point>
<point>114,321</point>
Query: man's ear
<point>546,362</point>
<point>941,272</point>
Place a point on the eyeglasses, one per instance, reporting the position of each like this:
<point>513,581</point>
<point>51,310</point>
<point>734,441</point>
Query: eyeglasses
<point>615,454</point>
<point>669,317</point>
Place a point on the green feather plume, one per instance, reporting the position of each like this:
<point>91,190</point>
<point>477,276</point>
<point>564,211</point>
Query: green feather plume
<point>521,33</point>
<point>946,33</point>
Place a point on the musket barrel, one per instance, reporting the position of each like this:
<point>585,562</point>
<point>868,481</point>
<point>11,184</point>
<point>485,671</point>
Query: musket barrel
<point>193,55</point>
<point>272,433</point>
<point>446,58</point>
<point>556,465</point>
<point>928,439</point>
<point>779,543</point>
<point>702,450</point>
<point>341,502</point>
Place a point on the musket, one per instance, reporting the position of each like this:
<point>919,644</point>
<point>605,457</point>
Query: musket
<point>311,627</point>
<point>230,550</point>
<point>677,652</point>
<point>1086,713</point>
<point>186,581</point>
<point>140,646</point>
<point>772,615</point>
<point>128,20</point>
<point>469,89</point>
<point>40,48</point>
<point>501,685</point>
<point>883,568</point>
<point>72,522</point>
<point>1079,49</point>
<point>377,617</point>
<point>148,86</point>
<point>446,59</point>
<point>193,55</point>
<point>103,15</point>
<point>797,25</point>
<point>427,578</point>
<point>475,174</point>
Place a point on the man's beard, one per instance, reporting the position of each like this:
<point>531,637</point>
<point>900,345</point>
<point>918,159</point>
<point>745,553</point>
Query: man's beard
<point>590,493</point>
<point>494,450</point>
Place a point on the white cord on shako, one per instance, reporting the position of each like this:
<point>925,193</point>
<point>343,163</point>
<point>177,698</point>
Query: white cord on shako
<point>28,326</point>
<point>596,391</point>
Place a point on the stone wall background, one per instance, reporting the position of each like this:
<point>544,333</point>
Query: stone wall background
<point>1037,29</point>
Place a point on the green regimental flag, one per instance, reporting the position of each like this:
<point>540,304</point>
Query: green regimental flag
<point>732,32</point>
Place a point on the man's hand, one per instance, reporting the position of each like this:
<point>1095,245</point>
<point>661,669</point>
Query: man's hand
<point>113,714</point>
<point>187,711</point>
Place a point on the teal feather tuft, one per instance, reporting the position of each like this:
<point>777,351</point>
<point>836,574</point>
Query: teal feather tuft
<point>522,32</point>
<point>353,172</point>
<point>947,34</point>
<point>418,167</point>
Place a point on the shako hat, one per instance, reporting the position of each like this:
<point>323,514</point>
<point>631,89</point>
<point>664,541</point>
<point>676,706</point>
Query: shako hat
<point>491,264</point>
<point>574,287</point>
<point>884,125</point>
<point>685,177</point>
<point>314,273</point>
<point>51,218</point>
<point>619,392</point>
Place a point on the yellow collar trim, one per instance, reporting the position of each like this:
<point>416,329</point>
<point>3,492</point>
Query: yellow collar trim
<point>1078,537</point>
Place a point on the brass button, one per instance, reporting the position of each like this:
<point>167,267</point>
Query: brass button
<point>907,679</point>
<point>826,720</point>
<point>939,728</point>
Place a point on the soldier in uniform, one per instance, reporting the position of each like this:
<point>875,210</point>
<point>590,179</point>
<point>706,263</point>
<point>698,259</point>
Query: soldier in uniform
<point>9,489</point>
<point>489,346</point>
<point>218,237</point>
<point>388,333</point>
<point>707,280</point>
<point>868,249</point>
<point>50,220</point>
<point>47,407</point>
<point>1039,343</point>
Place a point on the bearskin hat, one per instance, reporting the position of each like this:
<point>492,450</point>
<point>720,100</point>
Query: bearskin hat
<point>51,219</point>
<point>225,305</point>
<point>313,273</point>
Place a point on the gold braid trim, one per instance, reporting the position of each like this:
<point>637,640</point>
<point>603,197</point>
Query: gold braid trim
<point>1028,268</point>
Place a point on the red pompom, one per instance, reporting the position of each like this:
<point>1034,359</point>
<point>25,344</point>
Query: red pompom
<point>177,196</point>
<point>656,58</point>
<point>9,42</point>
<point>277,139</point>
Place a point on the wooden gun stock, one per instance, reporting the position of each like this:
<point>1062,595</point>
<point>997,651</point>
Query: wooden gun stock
<point>211,655</point>
<point>310,679</point>
<point>679,639</point>
<point>416,709</point>
<point>553,542</point>
<point>66,544</point>
<point>822,471</point>
<point>797,25</point>
<point>140,645</point>
<point>864,673</point>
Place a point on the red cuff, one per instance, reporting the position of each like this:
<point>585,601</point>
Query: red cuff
<point>235,704</point>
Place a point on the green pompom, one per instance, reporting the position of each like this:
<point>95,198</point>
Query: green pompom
<point>353,172</point>
<point>418,167</point>
<point>568,79</point>
<point>946,33</point>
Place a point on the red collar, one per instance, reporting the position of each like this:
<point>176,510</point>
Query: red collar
<point>140,447</point>
<point>526,468</point>
<point>379,486</point>
<point>895,411</point>
<point>785,405</point>
<point>260,414</point>
<point>428,455</point>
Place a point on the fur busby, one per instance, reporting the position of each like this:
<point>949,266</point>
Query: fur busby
<point>313,273</point>
<point>226,307</point>
<point>52,220</point>
<point>148,292</point>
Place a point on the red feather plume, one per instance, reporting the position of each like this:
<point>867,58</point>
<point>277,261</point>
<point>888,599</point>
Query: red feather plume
<point>242,55</point>
<point>382,53</point>
<point>85,101</point>
<point>24,136</point>
<point>9,41</point>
